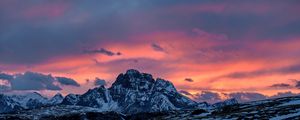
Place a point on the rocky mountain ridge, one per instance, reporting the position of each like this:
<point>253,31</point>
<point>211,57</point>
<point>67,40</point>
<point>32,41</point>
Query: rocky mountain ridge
<point>132,92</point>
<point>12,103</point>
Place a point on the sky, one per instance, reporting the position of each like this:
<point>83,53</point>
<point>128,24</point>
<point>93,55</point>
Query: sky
<point>210,50</point>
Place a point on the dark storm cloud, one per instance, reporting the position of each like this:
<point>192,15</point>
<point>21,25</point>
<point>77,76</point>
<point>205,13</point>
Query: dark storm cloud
<point>67,81</point>
<point>189,80</point>
<point>36,81</point>
<point>102,51</point>
<point>99,82</point>
<point>157,47</point>
<point>33,81</point>
<point>5,76</point>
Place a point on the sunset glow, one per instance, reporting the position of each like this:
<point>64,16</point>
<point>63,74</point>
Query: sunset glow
<point>223,47</point>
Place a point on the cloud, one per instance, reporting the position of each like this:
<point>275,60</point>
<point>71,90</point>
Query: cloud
<point>289,69</point>
<point>67,81</point>
<point>208,96</point>
<point>5,76</point>
<point>72,26</point>
<point>283,70</point>
<point>213,97</point>
<point>102,51</point>
<point>99,82</point>
<point>284,94</point>
<point>281,85</point>
<point>157,47</point>
<point>189,80</point>
<point>246,96</point>
<point>33,81</point>
<point>186,93</point>
<point>57,29</point>
<point>297,84</point>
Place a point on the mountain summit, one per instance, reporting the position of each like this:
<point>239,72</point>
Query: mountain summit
<point>134,92</point>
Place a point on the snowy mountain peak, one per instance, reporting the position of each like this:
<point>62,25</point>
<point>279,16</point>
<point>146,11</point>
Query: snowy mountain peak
<point>56,99</point>
<point>134,80</point>
<point>34,95</point>
<point>57,95</point>
<point>139,92</point>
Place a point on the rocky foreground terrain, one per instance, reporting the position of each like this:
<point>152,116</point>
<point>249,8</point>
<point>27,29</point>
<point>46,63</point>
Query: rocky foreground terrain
<point>136,96</point>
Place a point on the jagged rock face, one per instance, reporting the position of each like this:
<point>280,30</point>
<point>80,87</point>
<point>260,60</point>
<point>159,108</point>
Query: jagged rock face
<point>99,98</point>
<point>94,97</point>
<point>133,80</point>
<point>134,92</point>
<point>71,99</point>
<point>56,99</point>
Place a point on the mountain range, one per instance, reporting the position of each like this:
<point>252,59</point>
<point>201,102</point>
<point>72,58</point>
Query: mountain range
<point>132,92</point>
<point>134,95</point>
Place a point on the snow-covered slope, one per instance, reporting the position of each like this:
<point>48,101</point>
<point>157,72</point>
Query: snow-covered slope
<point>274,109</point>
<point>12,103</point>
